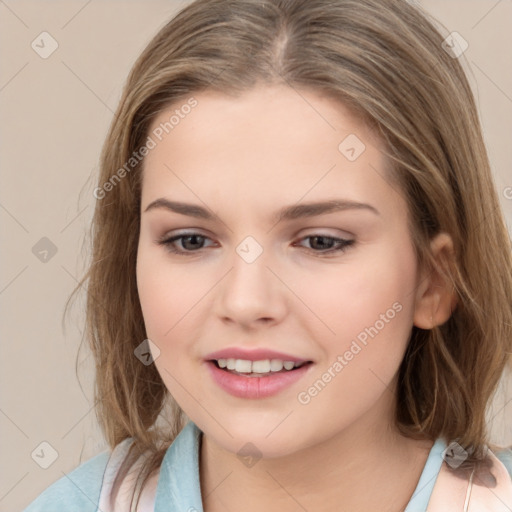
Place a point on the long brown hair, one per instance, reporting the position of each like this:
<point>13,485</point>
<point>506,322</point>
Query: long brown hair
<point>383,59</point>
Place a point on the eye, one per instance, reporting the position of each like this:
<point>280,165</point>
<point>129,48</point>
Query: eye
<point>194,242</point>
<point>324,244</point>
<point>190,243</point>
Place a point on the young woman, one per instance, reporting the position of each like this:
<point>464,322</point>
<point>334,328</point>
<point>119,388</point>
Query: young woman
<point>300,262</point>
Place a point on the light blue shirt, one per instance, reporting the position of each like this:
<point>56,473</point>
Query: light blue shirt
<point>179,487</point>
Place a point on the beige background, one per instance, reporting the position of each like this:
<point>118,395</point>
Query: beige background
<point>55,113</point>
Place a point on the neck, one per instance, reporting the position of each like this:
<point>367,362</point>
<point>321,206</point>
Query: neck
<point>367,466</point>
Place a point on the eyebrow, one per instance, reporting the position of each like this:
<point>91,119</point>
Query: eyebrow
<point>287,213</point>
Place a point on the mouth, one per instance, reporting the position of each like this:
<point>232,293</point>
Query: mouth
<point>259,379</point>
<point>256,373</point>
<point>258,369</point>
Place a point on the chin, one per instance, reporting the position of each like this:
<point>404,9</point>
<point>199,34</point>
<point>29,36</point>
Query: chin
<point>257,441</point>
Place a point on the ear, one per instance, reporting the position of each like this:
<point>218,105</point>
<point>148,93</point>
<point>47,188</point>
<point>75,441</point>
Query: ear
<point>436,298</point>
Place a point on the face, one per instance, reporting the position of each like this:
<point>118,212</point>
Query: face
<point>329,283</point>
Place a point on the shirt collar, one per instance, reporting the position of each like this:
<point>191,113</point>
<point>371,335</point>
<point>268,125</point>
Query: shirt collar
<point>423,491</point>
<point>179,485</point>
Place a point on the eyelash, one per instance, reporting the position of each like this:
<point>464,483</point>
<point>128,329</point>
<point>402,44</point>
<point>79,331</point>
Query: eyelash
<point>167,243</point>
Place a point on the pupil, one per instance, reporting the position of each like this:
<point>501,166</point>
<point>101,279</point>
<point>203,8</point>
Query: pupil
<point>316,239</point>
<point>194,238</point>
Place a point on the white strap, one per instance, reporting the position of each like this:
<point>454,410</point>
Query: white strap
<point>454,491</point>
<point>488,490</point>
<point>123,498</point>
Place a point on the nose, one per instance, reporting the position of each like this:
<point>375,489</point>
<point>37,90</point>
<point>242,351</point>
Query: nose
<point>251,295</point>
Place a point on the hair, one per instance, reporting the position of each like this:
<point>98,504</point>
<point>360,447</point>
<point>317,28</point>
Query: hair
<point>384,60</point>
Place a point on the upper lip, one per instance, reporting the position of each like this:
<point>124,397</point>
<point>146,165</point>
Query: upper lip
<point>259,354</point>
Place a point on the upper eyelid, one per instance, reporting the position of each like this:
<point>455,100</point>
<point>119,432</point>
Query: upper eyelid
<point>169,236</point>
<point>315,232</point>
<point>342,245</point>
<point>172,238</point>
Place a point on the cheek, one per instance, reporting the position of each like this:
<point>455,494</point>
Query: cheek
<point>367,299</point>
<point>169,298</point>
<point>167,294</point>
<point>369,306</point>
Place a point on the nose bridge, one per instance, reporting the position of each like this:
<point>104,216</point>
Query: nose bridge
<point>250,291</point>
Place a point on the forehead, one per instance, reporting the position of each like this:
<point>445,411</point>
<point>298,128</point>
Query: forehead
<point>272,140</point>
<point>300,113</point>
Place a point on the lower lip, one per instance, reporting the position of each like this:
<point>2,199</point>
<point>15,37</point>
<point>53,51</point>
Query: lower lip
<point>255,387</point>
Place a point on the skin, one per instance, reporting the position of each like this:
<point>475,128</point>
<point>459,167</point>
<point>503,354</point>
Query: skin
<point>243,159</point>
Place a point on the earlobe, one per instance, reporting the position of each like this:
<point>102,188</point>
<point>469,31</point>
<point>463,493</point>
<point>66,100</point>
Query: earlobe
<point>436,298</point>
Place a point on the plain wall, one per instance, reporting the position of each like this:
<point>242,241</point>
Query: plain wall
<point>55,115</point>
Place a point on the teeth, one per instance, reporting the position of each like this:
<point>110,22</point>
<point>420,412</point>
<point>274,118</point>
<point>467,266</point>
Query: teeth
<point>263,366</point>
<point>243,366</point>
<point>276,365</point>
